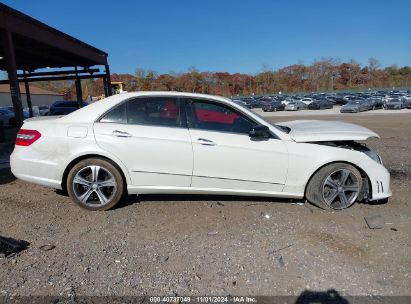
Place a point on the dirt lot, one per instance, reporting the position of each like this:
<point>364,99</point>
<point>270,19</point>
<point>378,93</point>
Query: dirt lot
<point>198,245</point>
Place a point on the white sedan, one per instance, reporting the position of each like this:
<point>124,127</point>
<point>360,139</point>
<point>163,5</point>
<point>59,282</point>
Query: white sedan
<point>169,142</point>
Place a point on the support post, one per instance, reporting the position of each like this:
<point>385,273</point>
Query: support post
<point>79,92</point>
<point>28,96</point>
<point>8,49</point>
<point>105,86</point>
<point>108,80</point>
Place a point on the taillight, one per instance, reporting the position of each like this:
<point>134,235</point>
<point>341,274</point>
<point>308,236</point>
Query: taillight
<point>27,137</point>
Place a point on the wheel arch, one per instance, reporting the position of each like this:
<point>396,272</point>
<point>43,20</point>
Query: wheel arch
<point>361,170</point>
<point>86,156</point>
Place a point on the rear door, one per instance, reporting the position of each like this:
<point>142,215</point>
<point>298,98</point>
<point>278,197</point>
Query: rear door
<point>149,135</point>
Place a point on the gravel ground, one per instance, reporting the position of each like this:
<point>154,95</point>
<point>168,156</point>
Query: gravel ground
<point>213,245</point>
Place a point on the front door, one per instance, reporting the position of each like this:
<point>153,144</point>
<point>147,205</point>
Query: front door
<point>225,157</point>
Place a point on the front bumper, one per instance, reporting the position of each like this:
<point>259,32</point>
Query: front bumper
<point>390,107</point>
<point>379,178</point>
<point>350,110</point>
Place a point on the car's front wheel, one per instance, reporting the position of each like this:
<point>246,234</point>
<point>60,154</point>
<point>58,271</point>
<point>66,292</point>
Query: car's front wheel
<point>95,184</point>
<point>335,186</point>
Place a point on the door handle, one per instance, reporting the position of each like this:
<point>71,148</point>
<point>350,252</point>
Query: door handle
<point>206,142</point>
<point>121,133</point>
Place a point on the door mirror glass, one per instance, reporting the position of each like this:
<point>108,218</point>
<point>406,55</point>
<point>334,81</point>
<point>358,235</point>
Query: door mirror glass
<point>260,132</point>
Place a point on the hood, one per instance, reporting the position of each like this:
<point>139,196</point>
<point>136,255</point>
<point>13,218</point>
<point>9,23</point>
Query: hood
<point>319,130</point>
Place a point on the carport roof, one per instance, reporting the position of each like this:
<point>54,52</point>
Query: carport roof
<point>38,45</point>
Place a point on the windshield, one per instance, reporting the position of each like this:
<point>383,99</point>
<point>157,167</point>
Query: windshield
<point>247,110</point>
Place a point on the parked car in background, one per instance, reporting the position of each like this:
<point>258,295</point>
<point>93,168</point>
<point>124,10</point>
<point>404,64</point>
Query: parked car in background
<point>7,117</point>
<point>287,100</point>
<point>339,100</point>
<point>375,103</point>
<point>355,106</point>
<point>394,104</point>
<point>320,105</point>
<point>44,110</point>
<point>406,101</point>
<point>248,102</point>
<point>65,107</point>
<point>185,143</point>
<point>273,106</point>
<point>307,100</point>
<point>254,102</point>
<point>295,106</point>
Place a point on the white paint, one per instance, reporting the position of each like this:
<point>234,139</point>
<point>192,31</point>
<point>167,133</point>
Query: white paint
<point>172,160</point>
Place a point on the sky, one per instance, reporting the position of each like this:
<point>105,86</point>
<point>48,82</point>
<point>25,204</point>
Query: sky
<point>231,35</point>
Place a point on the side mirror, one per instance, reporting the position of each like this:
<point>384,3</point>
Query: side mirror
<point>260,132</point>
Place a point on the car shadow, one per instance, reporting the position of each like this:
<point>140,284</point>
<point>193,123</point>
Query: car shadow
<point>321,297</point>
<point>6,176</point>
<point>379,202</point>
<point>254,200</point>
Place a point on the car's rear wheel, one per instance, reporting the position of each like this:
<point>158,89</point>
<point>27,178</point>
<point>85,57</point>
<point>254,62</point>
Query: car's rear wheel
<point>335,186</point>
<point>95,184</point>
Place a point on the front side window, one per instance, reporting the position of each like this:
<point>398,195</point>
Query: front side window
<point>153,111</point>
<point>214,117</point>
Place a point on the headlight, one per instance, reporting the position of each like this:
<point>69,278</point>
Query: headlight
<point>372,154</point>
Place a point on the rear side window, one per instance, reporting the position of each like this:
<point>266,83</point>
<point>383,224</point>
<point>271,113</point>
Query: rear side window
<point>214,117</point>
<point>152,111</point>
<point>116,115</point>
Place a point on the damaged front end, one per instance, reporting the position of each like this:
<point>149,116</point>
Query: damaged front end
<point>365,193</point>
<point>353,145</point>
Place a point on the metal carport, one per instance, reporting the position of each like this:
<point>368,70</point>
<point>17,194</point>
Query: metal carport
<point>27,44</point>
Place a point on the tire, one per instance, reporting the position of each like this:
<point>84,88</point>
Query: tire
<point>328,182</point>
<point>101,191</point>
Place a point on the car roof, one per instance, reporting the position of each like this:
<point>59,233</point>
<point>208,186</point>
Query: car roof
<point>92,112</point>
<point>96,109</point>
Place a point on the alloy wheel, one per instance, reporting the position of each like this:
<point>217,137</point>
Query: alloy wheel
<point>340,189</point>
<point>94,186</point>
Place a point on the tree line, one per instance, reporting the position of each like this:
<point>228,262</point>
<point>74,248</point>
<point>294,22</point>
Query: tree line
<point>323,75</point>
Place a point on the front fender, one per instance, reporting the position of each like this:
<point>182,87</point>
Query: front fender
<point>307,158</point>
